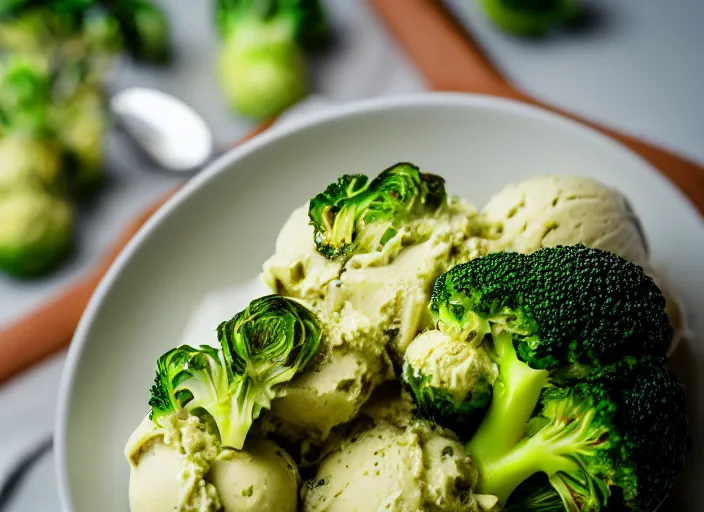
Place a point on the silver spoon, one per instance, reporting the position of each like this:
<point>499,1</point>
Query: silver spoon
<point>169,132</point>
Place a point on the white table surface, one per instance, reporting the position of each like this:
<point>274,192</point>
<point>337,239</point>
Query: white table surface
<point>367,62</point>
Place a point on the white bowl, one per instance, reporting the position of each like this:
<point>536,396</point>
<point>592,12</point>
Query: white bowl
<point>218,230</point>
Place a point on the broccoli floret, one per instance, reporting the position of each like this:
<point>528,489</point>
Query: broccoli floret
<point>262,60</point>
<point>535,495</point>
<point>529,17</point>
<point>356,215</point>
<point>262,347</point>
<point>616,438</point>
<point>556,310</point>
<point>563,305</point>
<point>561,324</point>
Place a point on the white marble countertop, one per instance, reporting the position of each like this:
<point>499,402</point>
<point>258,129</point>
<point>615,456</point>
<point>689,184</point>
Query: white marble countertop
<point>366,62</point>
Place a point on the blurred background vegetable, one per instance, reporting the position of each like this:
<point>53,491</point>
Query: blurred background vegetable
<point>144,29</point>
<point>36,219</point>
<point>136,26</point>
<point>529,17</point>
<point>56,58</point>
<point>261,66</point>
<point>36,232</point>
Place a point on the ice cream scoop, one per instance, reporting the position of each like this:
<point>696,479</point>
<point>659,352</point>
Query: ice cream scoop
<point>182,467</point>
<point>550,210</point>
<point>396,470</point>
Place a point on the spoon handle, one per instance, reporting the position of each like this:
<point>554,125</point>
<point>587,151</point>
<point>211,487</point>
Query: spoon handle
<point>451,61</point>
<point>50,327</point>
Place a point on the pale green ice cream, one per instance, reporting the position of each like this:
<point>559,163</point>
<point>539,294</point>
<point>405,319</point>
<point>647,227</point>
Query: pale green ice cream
<point>371,306</point>
<point>402,288</point>
<point>551,210</point>
<point>391,286</point>
<point>350,364</point>
<point>296,269</point>
<point>180,467</point>
<point>454,366</point>
<point>392,469</point>
<point>546,211</point>
<point>169,465</point>
<point>260,478</point>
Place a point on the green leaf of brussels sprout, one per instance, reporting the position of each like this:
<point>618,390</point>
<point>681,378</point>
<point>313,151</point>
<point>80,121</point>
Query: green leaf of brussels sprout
<point>263,347</point>
<point>356,215</point>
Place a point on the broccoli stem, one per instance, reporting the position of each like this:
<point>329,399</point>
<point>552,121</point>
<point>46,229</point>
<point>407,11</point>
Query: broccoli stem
<point>516,393</point>
<point>540,453</point>
<point>241,415</point>
<point>249,399</point>
<point>559,449</point>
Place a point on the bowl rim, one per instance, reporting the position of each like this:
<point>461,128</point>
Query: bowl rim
<point>332,112</point>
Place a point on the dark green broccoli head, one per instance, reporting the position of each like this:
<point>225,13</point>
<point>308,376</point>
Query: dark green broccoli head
<point>563,305</point>
<point>583,394</point>
<point>356,215</point>
<point>650,412</point>
<point>614,440</point>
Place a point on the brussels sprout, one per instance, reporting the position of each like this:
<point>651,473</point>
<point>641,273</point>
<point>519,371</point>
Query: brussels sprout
<point>261,64</point>
<point>102,33</point>
<point>263,347</point>
<point>81,124</point>
<point>261,80</point>
<point>29,162</point>
<point>103,26</point>
<point>359,215</point>
<point>25,93</point>
<point>36,232</point>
